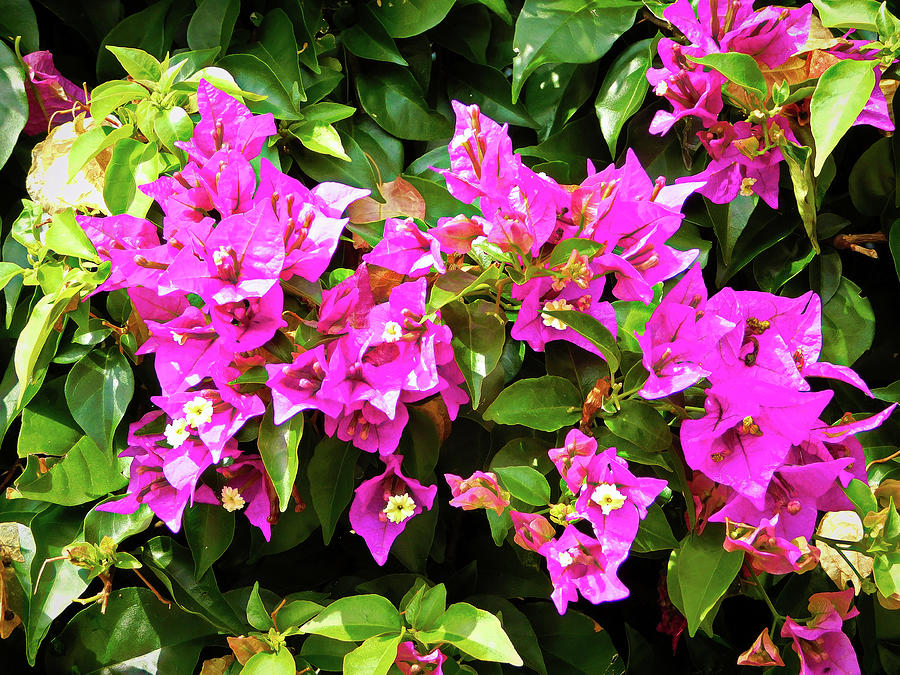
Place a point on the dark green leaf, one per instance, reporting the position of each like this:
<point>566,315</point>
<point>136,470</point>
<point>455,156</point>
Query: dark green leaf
<point>136,634</point>
<point>566,31</point>
<point>18,19</point>
<point>13,101</point>
<point>654,534</point>
<point>331,481</point>
<point>148,30</point>
<point>572,644</point>
<point>278,448</point>
<point>254,75</point>
<point>546,403</point>
<point>478,336</point>
<point>848,325</point>
<point>729,220</point>
<point>640,424</point>
<point>705,570</point>
<point>412,17</point>
<point>623,89</point>
<point>325,653</point>
<point>517,627</point>
<point>98,390</point>
<point>209,530</point>
<point>393,98</point>
<point>277,47</point>
<point>489,89</point>
<point>368,39</point>
<point>212,24</point>
<point>593,331</point>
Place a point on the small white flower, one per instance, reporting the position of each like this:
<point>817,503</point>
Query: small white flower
<point>177,433</point>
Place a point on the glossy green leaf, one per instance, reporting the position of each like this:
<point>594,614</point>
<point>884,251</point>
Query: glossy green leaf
<point>132,164</point>
<point>705,570</point>
<point>257,614</point>
<point>136,634</point>
<point>411,17</point>
<point>66,237</point>
<point>108,96</point>
<point>13,101</point>
<point>85,473</point>
<point>546,403</point>
<point>212,24</point>
<point>848,325</point>
<point>209,530</point>
<point>654,533</point>
<point>117,526</point>
<point>478,336</point>
<point>358,172</point>
<point>474,632</point>
<point>572,644</point>
<point>98,390</point>
<point>525,483</point>
<point>278,448</point>
<point>270,663</point>
<point>842,92</point>
<point>322,138</point>
<point>173,125</point>
<point>18,19</point>
<point>729,221</point>
<point>94,141</point>
<point>355,618</point>
<point>739,69</point>
<point>393,98</point>
<point>326,653</point>
<point>845,14</point>
<point>490,89</point>
<point>593,331</point>
<point>894,245</point>
<point>640,424</point>
<point>623,89</point>
<point>277,46</point>
<point>375,656</point>
<point>137,63</point>
<point>296,612</point>
<point>566,31</point>
<point>369,39</point>
<point>331,481</point>
<point>256,76</point>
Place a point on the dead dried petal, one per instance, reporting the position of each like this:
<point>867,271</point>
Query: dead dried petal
<point>401,200</point>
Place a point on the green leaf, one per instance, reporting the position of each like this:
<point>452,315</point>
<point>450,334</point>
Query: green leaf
<point>149,30</point>
<point>257,77</point>
<point>431,606</point>
<point>654,534</point>
<point>566,31</point>
<point>355,618</point>
<point>331,481</point>
<point>705,570</point>
<point>729,220</point>
<point>525,484</point>
<point>848,324</point>
<point>516,626</point>
<point>136,634</point>
<point>894,245</point>
<point>172,564</point>
<point>209,529</point>
<point>861,495</point>
<point>8,272</point>
<point>107,97</point>
<point>739,69</point>
<point>368,39</point>
<point>277,46</point>
<point>137,63</point>
<point>173,125</point>
<point>18,19</point>
<point>117,526</point>
<point>411,17</point>
<point>799,161</point>
<point>322,138</point>
<point>257,614</point>
<point>325,653</point>
<point>357,172</point>
<point>84,474</point>
<point>393,98</point>
<point>457,284</point>
<point>13,101</point>
<point>132,164</point>
<point>98,390</point>
<point>94,141</point>
<point>212,24</point>
<point>572,644</point>
<point>845,14</point>
<point>296,612</point>
<point>278,448</point>
<point>623,89</point>
<point>474,632</point>
<point>593,331</point>
<point>270,663</point>
<point>375,656</point>
<point>490,89</point>
<point>478,335</point>
<point>546,403</point>
<point>642,425</point>
<point>841,94</point>
<point>65,236</point>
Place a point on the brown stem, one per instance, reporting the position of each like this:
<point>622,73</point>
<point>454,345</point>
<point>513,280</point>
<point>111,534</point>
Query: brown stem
<point>167,603</point>
<point>882,460</point>
<point>853,241</point>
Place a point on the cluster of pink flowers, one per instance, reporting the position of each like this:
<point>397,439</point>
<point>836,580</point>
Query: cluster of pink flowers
<point>762,437</point>
<point>745,156</point>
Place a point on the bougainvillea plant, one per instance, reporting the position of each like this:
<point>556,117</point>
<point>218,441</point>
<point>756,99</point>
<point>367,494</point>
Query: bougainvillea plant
<point>299,288</point>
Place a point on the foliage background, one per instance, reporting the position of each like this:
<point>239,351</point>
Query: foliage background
<point>574,92</point>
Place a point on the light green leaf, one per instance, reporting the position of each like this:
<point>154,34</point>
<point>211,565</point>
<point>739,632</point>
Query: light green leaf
<point>322,138</point>
<point>138,63</point>
<point>840,96</point>
<point>98,390</point>
<point>132,164</point>
<point>65,236</point>
<point>94,141</point>
<point>474,632</point>
<point>355,618</point>
<point>108,96</point>
<point>525,484</point>
<point>739,69</point>
<point>278,448</point>
<point>845,14</point>
<point>373,657</point>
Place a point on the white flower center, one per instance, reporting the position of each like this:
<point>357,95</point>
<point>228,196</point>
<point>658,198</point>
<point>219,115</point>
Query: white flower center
<point>608,498</point>
<point>198,411</point>
<point>399,508</point>
<point>176,432</point>
<point>555,306</point>
<point>392,332</point>
<point>231,499</point>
